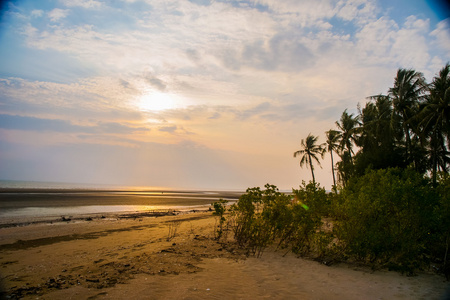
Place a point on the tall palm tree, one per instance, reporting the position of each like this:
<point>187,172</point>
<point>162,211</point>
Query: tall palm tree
<point>435,120</point>
<point>310,150</point>
<point>332,145</point>
<point>376,122</point>
<point>407,94</point>
<point>348,126</point>
<point>378,136</point>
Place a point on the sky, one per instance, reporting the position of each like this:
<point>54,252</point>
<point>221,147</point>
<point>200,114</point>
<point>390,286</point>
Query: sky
<point>196,94</point>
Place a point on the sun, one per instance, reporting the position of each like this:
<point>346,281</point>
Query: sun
<point>156,101</point>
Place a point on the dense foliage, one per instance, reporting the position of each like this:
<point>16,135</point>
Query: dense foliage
<point>387,219</point>
<point>391,218</point>
<point>407,127</point>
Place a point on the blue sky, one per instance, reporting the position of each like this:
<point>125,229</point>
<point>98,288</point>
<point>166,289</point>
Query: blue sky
<point>196,94</point>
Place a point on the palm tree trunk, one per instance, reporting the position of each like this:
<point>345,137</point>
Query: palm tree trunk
<point>332,169</point>
<point>312,169</point>
<point>408,141</point>
<point>434,156</point>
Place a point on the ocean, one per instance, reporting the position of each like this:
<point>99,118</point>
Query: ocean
<point>17,184</point>
<point>31,200</point>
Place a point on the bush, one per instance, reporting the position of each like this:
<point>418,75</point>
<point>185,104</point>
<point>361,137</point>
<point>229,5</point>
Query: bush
<point>442,228</point>
<point>256,217</point>
<point>390,218</point>
<point>263,217</point>
<point>386,217</point>
<point>219,211</point>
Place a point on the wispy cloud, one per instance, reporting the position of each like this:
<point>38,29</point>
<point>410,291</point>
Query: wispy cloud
<point>15,122</point>
<point>82,3</point>
<point>56,14</point>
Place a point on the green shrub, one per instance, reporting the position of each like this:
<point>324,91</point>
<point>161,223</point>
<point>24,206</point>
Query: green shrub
<point>261,218</point>
<point>219,211</point>
<point>441,235</point>
<point>314,197</point>
<point>386,217</point>
<point>390,218</point>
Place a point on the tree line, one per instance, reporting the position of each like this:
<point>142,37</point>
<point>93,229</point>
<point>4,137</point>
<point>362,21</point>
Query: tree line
<point>407,127</point>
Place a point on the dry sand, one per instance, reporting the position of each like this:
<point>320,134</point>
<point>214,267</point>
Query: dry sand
<point>133,259</point>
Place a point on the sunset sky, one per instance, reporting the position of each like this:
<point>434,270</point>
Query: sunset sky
<point>197,94</point>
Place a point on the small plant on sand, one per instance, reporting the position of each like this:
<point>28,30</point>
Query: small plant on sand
<point>259,217</point>
<point>173,227</point>
<point>219,210</point>
<point>262,217</point>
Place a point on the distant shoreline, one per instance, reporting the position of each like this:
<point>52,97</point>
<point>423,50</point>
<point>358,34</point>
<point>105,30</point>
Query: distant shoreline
<point>25,206</point>
<point>14,198</point>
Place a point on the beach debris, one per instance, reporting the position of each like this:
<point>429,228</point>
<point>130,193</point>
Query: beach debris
<point>173,227</point>
<point>64,219</point>
<point>88,219</point>
<point>200,237</point>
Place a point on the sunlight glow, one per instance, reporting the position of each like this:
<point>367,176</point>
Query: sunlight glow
<point>157,101</point>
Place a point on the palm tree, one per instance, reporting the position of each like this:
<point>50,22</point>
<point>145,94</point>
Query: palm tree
<point>332,145</point>
<point>309,152</point>
<point>435,120</point>
<point>348,129</point>
<point>376,122</point>
<point>378,136</point>
<point>407,94</point>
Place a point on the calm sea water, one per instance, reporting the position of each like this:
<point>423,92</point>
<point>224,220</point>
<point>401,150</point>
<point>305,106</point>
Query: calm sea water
<point>16,184</point>
<point>10,213</point>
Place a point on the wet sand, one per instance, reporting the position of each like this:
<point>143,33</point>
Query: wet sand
<point>176,257</point>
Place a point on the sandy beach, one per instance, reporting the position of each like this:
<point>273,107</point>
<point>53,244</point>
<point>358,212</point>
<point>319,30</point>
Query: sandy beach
<point>176,257</point>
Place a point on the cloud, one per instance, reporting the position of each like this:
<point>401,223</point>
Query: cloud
<point>169,129</point>
<point>254,111</point>
<point>101,99</point>
<point>442,35</point>
<point>201,2</point>
<point>306,12</point>
<point>156,82</point>
<point>82,3</point>
<point>57,14</point>
<point>387,42</point>
<point>215,116</point>
<point>284,52</point>
<point>14,122</point>
<point>37,13</point>
<point>37,124</point>
<point>359,11</point>
<point>117,128</point>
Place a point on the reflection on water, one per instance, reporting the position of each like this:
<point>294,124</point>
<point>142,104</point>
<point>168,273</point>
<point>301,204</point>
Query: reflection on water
<point>16,184</point>
<point>83,210</point>
<point>24,201</point>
